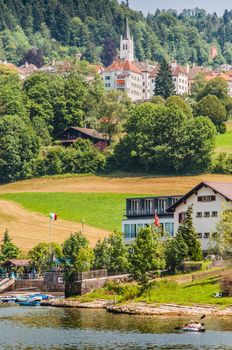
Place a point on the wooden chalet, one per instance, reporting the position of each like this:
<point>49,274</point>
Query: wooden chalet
<point>73,134</point>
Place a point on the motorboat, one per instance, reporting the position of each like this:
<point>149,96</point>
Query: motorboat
<point>193,327</point>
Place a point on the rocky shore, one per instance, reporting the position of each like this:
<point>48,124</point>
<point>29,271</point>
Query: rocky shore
<point>143,308</point>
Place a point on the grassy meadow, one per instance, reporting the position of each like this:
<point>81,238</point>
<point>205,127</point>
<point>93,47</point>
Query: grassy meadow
<point>224,141</point>
<point>101,210</point>
<point>164,291</point>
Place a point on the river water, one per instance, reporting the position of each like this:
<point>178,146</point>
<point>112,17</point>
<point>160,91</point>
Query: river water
<point>42,328</point>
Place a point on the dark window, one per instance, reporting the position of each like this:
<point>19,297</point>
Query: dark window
<point>214,214</point>
<point>199,235</point>
<point>199,214</point>
<point>206,235</point>
<point>206,214</point>
<point>182,217</point>
<point>107,77</point>
<point>206,198</point>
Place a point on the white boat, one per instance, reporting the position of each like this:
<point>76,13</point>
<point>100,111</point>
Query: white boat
<point>194,327</point>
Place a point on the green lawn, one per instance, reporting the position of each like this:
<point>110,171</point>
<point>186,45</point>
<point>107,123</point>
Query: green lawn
<point>103,210</point>
<point>199,292</point>
<point>224,142</point>
<point>164,291</point>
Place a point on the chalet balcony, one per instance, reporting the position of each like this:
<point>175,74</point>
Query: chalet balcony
<point>143,212</point>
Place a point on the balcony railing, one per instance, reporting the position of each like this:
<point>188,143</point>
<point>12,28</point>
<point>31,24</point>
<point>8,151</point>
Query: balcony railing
<point>144,212</point>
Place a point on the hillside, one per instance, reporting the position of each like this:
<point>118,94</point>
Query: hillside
<point>100,201</point>
<point>83,26</point>
<point>28,229</point>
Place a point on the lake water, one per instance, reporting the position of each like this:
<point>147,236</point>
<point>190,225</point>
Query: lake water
<point>42,328</point>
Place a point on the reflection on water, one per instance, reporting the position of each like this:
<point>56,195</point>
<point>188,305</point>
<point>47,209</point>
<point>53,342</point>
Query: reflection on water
<point>24,328</point>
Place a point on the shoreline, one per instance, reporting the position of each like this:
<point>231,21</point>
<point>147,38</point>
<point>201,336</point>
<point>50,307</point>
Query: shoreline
<point>140,308</point>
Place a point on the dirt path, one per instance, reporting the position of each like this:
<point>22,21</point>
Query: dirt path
<point>27,228</point>
<point>139,185</point>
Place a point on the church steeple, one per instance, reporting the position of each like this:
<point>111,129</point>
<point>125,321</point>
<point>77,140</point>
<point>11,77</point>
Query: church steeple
<point>127,45</point>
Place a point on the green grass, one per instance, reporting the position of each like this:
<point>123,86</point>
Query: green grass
<point>199,292</point>
<point>224,142</point>
<point>163,291</point>
<point>103,210</point>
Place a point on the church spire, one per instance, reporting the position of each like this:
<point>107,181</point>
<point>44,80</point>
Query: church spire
<point>127,30</point>
<point>127,45</point>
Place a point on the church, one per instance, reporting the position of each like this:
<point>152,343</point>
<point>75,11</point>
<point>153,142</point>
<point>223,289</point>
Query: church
<point>136,78</point>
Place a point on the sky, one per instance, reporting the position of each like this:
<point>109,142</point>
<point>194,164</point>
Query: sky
<point>210,5</point>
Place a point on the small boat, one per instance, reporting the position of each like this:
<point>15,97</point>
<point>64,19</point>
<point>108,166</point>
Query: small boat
<point>29,303</point>
<point>21,298</point>
<point>193,327</point>
<point>8,299</point>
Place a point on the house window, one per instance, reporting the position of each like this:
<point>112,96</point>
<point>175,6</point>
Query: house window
<point>199,235</point>
<point>206,235</point>
<point>148,206</point>
<point>133,230</point>
<point>107,77</point>
<point>206,198</point>
<point>127,231</point>
<point>107,84</point>
<point>135,206</point>
<point>182,217</point>
<point>169,228</point>
<point>214,234</point>
<point>214,214</point>
<point>199,214</point>
<point>174,200</point>
<point>161,205</point>
<point>206,214</point>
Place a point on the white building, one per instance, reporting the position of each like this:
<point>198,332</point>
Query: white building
<point>127,74</point>
<point>140,212</point>
<point>180,78</point>
<point>208,200</point>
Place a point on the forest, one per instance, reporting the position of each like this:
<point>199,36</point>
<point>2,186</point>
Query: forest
<point>59,29</point>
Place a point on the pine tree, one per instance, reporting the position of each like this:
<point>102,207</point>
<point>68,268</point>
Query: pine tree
<point>164,84</point>
<point>188,233</point>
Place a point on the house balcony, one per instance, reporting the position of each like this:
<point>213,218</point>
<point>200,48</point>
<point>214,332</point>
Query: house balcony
<point>144,213</point>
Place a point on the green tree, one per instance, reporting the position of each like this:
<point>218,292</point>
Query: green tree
<point>210,106</point>
<point>149,144</point>
<point>42,256</point>
<point>164,84</point>
<point>176,252</point>
<point>111,254</point>
<point>216,87</point>
<point>19,148</point>
<point>221,241</point>
<point>187,232</point>
<point>146,256</point>
<point>180,102</point>
<point>77,254</point>
<point>8,249</point>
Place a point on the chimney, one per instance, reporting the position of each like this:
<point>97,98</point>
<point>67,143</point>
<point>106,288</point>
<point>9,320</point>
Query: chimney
<point>174,64</point>
<point>187,68</point>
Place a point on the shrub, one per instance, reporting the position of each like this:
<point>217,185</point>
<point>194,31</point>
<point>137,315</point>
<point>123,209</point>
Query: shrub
<point>226,285</point>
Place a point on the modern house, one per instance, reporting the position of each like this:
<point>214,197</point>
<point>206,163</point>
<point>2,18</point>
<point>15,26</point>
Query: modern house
<point>72,134</point>
<point>140,212</point>
<point>208,200</point>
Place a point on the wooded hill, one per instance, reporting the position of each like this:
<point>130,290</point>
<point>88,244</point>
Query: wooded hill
<point>61,28</point>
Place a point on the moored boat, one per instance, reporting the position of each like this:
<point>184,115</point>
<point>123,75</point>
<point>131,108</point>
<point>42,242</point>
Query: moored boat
<point>29,303</point>
<point>193,327</point>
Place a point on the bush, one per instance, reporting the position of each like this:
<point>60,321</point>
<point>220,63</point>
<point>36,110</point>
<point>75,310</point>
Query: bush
<point>127,290</point>
<point>81,158</point>
<point>223,164</point>
<point>226,285</point>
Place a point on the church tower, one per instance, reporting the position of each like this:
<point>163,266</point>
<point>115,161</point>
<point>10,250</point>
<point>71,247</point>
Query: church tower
<point>127,45</point>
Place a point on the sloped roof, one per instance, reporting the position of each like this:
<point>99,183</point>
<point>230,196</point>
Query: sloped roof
<point>123,65</point>
<point>178,69</point>
<point>214,74</point>
<point>17,262</point>
<point>193,71</point>
<point>223,188</point>
<point>87,131</point>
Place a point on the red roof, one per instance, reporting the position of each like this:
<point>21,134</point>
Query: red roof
<point>123,65</point>
<point>214,75</point>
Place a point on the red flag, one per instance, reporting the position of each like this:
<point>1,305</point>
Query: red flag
<point>156,220</point>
